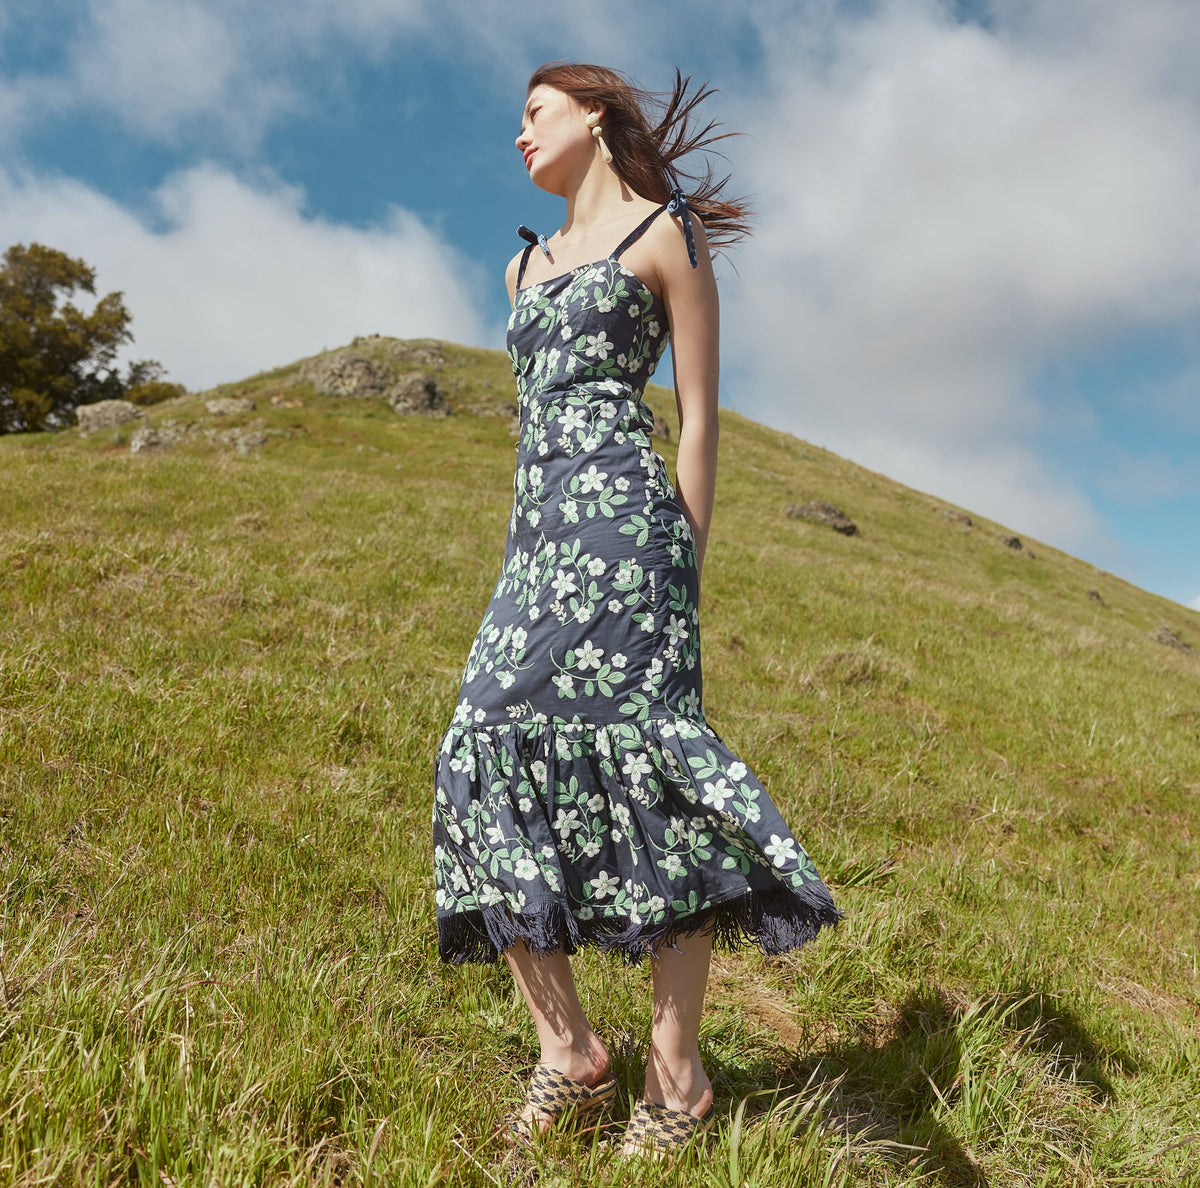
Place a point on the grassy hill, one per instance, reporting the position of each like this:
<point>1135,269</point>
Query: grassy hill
<point>223,677</point>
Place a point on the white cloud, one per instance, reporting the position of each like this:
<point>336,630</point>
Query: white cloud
<point>226,71</point>
<point>230,278</point>
<point>944,208</point>
<point>1194,603</point>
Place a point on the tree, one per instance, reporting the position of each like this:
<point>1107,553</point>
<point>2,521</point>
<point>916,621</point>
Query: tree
<point>54,357</point>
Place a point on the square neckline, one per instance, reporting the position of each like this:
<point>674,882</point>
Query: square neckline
<point>579,268</point>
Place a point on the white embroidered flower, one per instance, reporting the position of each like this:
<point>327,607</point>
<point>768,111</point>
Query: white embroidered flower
<point>781,849</point>
<point>691,703</point>
<point>506,679</point>
<point>604,885</point>
<point>737,770</point>
<point>591,847</point>
<point>537,769</point>
<point>620,814</point>
<point>525,804</point>
<point>515,900</point>
<point>494,835</point>
<point>534,611</point>
<point>614,606</point>
<point>570,511</point>
<point>588,656</point>
<point>567,822</point>
<point>572,419</point>
<point>584,912</point>
<point>583,614</point>
<point>490,895</point>
<point>526,869</point>
<point>458,880</point>
<point>608,409</point>
<point>519,637</point>
<point>677,629</point>
<point>673,865</point>
<point>596,566</point>
<point>621,483</point>
<point>566,684</point>
<point>592,480</point>
<point>598,345</point>
<point>717,793</point>
<point>636,766</point>
<point>564,583</point>
<point>590,443</point>
<point>617,660</point>
<point>655,904</point>
<point>595,802</point>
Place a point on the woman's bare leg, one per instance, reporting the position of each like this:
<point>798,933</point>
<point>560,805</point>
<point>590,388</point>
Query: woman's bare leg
<point>566,1037</point>
<point>674,1075</point>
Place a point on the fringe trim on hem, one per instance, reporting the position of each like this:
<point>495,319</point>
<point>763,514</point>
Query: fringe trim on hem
<point>777,920</point>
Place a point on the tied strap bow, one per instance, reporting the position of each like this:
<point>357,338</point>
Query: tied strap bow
<point>678,206</point>
<point>534,237</point>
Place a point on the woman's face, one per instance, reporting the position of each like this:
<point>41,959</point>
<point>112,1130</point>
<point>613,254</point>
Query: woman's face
<point>555,140</point>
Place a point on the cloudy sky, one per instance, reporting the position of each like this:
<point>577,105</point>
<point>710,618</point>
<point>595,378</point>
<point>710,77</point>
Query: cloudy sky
<point>976,265</point>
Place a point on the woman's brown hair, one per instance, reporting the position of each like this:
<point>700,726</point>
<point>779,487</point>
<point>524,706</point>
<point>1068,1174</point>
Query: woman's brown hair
<point>647,157</point>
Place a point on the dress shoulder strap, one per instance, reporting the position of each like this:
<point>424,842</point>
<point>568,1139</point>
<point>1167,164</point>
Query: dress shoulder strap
<point>534,240</point>
<point>676,206</point>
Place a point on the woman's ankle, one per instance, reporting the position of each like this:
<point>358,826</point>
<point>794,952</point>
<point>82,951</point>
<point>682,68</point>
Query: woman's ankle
<point>678,1082</point>
<point>585,1060</point>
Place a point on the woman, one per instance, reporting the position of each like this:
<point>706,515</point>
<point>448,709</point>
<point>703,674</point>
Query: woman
<point>581,798</point>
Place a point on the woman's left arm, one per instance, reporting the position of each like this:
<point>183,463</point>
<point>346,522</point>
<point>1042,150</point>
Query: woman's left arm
<point>690,296</point>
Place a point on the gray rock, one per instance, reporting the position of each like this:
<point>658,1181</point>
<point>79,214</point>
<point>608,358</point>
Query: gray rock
<point>418,392</point>
<point>106,414</point>
<point>1169,638</point>
<point>1012,542</point>
<point>147,440</point>
<point>226,406</point>
<point>822,513</point>
<point>1094,595</point>
<point>347,374</point>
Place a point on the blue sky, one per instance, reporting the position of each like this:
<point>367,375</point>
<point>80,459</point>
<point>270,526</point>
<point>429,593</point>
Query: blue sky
<point>975,266</point>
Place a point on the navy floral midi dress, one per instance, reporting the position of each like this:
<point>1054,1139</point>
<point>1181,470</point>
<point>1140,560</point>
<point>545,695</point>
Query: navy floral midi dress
<point>580,795</point>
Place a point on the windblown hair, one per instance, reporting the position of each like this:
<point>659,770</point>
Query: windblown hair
<point>646,156</point>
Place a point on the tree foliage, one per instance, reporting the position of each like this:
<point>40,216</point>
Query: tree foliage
<point>53,356</point>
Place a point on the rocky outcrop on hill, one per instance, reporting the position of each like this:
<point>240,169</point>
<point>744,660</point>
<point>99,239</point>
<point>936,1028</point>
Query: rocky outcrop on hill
<point>227,406</point>
<point>155,439</point>
<point>1170,638</point>
<point>368,369</point>
<point>106,414</point>
<point>817,512</point>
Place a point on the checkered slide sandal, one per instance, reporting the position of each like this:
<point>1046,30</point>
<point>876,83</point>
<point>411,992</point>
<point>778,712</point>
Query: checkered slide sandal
<point>555,1096</point>
<point>654,1131</point>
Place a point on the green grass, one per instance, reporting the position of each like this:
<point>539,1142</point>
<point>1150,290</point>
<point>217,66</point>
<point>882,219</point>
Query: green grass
<point>222,682</point>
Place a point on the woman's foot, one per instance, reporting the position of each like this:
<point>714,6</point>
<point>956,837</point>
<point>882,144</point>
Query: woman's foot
<point>586,1064</point>
<point>673,1087</point>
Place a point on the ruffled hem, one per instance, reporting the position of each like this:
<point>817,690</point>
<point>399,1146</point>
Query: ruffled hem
<point>777,920</point>
<point>620,835</point>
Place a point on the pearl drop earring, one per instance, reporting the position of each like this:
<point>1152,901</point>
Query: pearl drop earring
<point>593,122</point>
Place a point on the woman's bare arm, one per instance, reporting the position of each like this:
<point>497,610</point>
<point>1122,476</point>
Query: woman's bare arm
<point>690,295</point>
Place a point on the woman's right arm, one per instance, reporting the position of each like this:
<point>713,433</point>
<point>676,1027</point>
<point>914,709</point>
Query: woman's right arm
<point>510,277</point>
